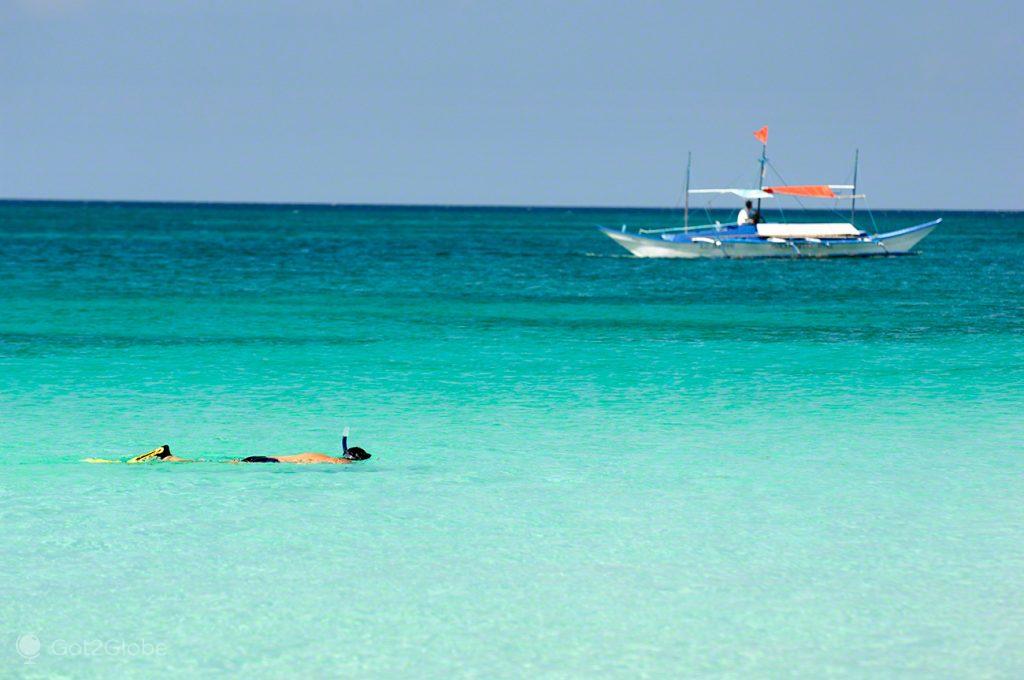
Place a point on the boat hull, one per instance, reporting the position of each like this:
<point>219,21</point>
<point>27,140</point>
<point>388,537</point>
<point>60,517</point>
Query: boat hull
<point>708,246</point>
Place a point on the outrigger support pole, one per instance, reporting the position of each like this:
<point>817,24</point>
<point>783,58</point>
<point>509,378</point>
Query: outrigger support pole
<point>686,208</point>
<point>853,200</point>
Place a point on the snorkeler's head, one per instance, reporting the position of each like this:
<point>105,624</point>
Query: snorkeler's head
<point>355,453</point>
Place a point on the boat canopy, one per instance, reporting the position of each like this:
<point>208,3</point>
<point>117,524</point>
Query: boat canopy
<point>807,230</point>
<point>742,193</point>
<point>809,190</point>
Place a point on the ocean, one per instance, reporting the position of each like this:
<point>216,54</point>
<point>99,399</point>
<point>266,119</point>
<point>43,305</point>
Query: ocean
<point>584,464</point>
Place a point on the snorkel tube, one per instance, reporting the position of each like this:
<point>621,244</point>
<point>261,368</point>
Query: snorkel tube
<point>355,453</point>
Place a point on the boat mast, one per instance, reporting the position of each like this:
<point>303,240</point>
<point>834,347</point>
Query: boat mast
<point>760,179</point>
<point>853,200</point>
<point>686,208</point>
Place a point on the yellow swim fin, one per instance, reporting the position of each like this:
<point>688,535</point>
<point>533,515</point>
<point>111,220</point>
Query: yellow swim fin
<point>155,454</point>
<point>99,460</point>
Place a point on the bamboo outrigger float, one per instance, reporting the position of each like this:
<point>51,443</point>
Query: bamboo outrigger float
<point>758,239</point>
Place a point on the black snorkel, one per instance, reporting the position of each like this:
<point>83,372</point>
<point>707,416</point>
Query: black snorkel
<point>355,453</point>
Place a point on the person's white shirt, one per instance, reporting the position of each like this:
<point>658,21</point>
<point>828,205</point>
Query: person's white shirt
<point>745,217</point>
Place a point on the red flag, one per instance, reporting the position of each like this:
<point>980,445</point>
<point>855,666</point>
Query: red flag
<point>762,135</point>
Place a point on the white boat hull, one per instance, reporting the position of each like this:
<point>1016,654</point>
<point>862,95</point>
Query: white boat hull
<point>893,243</point>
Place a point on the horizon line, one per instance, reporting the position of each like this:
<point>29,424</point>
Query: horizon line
<point>494,206</point>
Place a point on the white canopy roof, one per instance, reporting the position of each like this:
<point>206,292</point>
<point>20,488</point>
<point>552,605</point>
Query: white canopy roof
<point>742,193</point>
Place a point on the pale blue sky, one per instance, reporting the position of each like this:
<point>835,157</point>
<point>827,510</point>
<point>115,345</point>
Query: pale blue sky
<point>567,103</point>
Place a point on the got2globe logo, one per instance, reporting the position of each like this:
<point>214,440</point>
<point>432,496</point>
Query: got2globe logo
<point>29,647</point>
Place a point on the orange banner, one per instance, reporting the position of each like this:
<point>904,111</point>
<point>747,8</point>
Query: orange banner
<point>762,135</point>
<point>812,190</point>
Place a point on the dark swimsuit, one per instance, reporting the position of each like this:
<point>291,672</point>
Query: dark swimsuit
<point>260,459</point>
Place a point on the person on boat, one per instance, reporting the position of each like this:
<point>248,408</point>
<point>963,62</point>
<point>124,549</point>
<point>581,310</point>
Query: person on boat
<point>748,215</point>
<point>348,455</point>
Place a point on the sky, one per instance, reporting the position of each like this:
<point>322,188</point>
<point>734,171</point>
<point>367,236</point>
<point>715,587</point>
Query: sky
<point>510,103</point>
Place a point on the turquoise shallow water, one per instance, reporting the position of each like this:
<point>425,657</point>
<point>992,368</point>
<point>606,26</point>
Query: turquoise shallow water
<point>584,463</point>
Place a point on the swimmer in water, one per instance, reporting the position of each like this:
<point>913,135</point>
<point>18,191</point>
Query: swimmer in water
<point>353,455</point>
<point>348,455</point>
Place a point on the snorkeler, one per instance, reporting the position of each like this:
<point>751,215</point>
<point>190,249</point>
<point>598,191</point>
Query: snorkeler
<point>348,455</point>
<point>351,455</point>
<point>163,455</point>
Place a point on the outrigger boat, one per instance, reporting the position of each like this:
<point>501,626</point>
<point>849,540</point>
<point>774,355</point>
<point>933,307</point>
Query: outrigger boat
<point>771,239</point>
